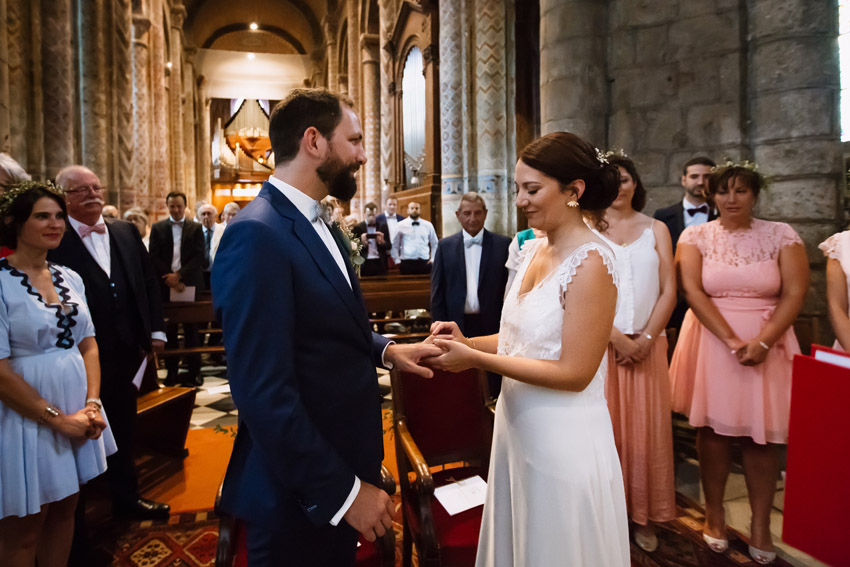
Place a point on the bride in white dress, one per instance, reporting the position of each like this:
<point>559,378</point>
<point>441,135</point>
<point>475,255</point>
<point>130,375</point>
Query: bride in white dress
<point>555,489</point>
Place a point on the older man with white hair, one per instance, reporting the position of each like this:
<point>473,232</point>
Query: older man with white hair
<point>212,235</point>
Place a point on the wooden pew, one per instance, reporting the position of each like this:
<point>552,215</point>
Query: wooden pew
<point>398,294</point>
<point>163,414</point>
<point>200,312</point>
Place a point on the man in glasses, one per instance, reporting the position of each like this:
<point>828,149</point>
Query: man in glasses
<point>123,296</point>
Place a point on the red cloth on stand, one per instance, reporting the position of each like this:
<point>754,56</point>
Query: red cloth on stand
<point>817,493</point>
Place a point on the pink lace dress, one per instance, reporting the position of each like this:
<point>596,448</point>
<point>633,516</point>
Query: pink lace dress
<point>837,247</point>
<point>740,273</point>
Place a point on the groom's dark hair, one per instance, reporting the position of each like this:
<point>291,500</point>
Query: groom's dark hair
<point>303,108</point>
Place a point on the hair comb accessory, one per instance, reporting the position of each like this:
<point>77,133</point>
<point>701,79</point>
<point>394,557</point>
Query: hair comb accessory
<point>601,157</point>
<point>612,153</point>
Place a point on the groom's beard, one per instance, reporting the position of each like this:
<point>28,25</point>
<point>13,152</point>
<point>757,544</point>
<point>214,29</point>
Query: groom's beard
<point>339,179</point>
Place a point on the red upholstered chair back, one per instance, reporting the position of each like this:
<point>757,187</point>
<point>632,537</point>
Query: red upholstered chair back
<point>446,415</point>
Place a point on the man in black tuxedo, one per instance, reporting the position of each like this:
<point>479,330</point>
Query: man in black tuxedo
<point>123,297</point>
<point>179,267</point>
<point>391,218</point>
<point>692,210</point>
<point>469,275</point>
<point>375,236</point>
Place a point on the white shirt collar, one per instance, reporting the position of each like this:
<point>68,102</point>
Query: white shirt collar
<point>303,202</point>
<point>467,236</point>
<point>688,205</point>
<point>75,224</point>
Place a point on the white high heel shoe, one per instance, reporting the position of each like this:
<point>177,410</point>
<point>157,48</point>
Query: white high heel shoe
<point>762,557</point>
<point>714,544</point>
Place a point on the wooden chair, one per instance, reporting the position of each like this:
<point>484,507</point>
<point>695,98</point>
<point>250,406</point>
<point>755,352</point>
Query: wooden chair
<point>232,543</point>
<point>440,421</point>
<point>198,312</point>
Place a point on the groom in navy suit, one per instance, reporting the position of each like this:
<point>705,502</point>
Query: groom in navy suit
<point>469,275</point>
<point>302,357</point>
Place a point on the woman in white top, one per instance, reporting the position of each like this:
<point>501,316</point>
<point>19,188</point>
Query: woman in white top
<point>837,250</point>
<point>638,384</point>
<point>554,488</point>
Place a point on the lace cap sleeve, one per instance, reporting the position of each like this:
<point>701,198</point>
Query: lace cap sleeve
<point>691,236</point>
<point>567,270</point>
<point>831,247</point>
<point>787,236</point>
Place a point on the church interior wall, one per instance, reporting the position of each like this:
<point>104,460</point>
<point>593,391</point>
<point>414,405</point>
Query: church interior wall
<point>112,84</point>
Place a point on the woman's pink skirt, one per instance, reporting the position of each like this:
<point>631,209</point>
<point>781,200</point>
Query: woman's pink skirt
<point>639,402</point>
<point>714,390</point>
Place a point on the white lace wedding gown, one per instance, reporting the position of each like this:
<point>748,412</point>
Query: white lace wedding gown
<point>555,492</point>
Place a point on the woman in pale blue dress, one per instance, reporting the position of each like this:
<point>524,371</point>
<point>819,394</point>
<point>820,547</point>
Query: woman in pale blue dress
<point>52,436</point>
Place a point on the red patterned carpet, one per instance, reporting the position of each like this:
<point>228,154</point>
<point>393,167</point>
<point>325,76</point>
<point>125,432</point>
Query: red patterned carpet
<point>189,540</point>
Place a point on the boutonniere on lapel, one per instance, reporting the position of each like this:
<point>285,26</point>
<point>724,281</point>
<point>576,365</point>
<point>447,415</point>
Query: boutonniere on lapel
<point>351,243</point>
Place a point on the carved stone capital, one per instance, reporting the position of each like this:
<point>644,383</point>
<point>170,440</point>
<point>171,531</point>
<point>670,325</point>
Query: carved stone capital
<point>178,16</point>
<point>391,88</point>
<point>141,25</point>
<point>431,54</point>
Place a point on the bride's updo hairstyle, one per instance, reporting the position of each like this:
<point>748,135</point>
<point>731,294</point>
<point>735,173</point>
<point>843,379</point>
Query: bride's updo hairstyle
<point>565,157</point>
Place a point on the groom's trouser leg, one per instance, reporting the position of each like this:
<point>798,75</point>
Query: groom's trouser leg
<point>326,546</point>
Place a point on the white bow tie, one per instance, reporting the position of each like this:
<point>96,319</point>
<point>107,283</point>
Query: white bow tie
<point>477,240</point>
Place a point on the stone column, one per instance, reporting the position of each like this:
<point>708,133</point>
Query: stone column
<point>188,95</point>
<point>454,109</point>
<point>122,103</point>
<point>204,145</point>
<point>160,121</point>
<point>371,120</point>
<point>141,111</point>
<point>573,82</point>
<point>492,110</point>
<point>385,16</point>
<point>57,83</point>
<point>4,81</point>
<point>175,92</point>
<point>25,139</point>
<point>97,147</point>
<point>329,26</point>
<point>795,129</point>
<point>353,51</point>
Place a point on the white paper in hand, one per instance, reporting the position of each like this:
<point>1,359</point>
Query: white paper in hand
<point>462,495</point>
<point>140,373</point>
<point>187,294</point>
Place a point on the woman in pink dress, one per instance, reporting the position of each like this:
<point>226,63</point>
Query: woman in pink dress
<point>836,248</point>
<point>638,384</point>
<point>745,280</point>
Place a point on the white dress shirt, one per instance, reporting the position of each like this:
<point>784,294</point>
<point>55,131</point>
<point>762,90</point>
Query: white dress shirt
<point>177,240</point>
<point>392,224</point>
<point>414,242</point>
<point>696,218</point>
<point>472,257</point>
<point>307,205</point>
<point>98,246</point>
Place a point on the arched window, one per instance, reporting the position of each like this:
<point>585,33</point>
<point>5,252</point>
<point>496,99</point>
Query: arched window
<point>413,123</point>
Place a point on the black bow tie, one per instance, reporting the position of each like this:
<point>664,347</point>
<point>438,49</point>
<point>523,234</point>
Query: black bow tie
<point>415,223</point>
<point>700,209</point>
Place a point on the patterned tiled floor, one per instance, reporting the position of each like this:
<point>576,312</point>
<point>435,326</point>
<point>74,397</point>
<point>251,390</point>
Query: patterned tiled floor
<point>214,405</point>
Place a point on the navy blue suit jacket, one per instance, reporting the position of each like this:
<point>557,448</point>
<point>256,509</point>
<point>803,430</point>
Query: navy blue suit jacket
<point>383,218</point>
<point>301,359</point>
<point>448,280</point>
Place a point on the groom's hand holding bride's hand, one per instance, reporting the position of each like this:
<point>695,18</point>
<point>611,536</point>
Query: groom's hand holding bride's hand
<point>456,351</point>
<point>371,512</point>
<point>409,358</point>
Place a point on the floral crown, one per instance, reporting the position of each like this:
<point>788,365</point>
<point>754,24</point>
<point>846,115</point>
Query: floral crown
<point>20,189</point>
<point>745,164</point>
